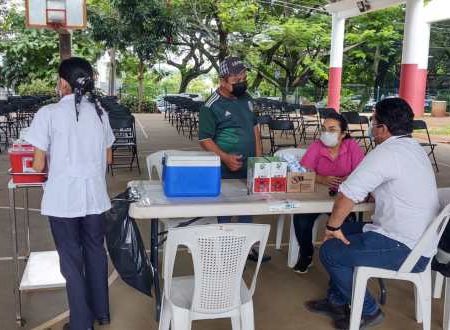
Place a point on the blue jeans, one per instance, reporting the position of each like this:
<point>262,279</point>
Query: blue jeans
<point>241,219</point>
<point>366,249</point>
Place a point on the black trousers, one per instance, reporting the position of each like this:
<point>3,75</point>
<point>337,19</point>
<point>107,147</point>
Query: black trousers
<point>303,224</point>
<point>84,265</point>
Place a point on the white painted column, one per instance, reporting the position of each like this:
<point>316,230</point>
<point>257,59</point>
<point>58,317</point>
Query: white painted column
<point>336,58</point>
<point>416,43</point>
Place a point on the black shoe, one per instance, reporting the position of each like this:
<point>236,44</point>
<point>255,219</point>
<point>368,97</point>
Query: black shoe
<point>67,327</point>
<point>104,320</point>
<point>324,307</point>
<point>302,265</point>
<point>253,256</point>
<point>367,321</point>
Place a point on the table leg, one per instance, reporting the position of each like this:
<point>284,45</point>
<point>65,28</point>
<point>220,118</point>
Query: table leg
<point>154,260</point>
<point>27,221</point>
<point>15,255</point>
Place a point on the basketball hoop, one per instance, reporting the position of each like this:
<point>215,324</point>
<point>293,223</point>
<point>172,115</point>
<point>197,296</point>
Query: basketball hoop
<point>58,15</point>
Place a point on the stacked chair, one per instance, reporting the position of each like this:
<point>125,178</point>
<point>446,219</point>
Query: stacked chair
<point>125,151</point>
<point>183,113</point>
<point>16,113</point>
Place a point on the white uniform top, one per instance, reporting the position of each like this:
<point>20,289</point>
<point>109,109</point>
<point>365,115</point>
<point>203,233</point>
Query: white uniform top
<point>399,174</point>
<point>76,184</point>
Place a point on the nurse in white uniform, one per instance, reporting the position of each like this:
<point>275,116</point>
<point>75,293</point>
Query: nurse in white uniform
<point>76,137</point>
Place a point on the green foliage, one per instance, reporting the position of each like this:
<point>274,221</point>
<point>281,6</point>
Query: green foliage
<point>37,87</point>
<point>132,102</point>
<point>30,54</point>
<point>377,46</point>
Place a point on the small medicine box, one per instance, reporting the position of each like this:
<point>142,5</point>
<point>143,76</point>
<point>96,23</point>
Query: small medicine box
<point>191,175</point>
<point>21,156</point>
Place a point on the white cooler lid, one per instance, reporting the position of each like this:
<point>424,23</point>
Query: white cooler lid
<point>192,159</point>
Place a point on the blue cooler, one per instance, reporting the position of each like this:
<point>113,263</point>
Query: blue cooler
<point>195,174</point>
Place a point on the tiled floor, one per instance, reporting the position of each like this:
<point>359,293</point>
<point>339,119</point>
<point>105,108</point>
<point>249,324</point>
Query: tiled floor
<point>279,295</point>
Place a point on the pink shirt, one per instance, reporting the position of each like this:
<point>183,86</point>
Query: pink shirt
<point>318,158</point>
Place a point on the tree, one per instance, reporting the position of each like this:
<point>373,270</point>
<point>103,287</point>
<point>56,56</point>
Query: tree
<point>30,54</point>
<point>376,59</point>
<point>142,27</point>
<point>193,63</point>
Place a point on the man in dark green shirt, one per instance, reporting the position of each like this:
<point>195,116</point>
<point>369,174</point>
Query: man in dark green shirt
<point>228,127</point>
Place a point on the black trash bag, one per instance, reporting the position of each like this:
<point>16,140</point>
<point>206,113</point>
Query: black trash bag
<point>444,245</point>
<point>125,246</point>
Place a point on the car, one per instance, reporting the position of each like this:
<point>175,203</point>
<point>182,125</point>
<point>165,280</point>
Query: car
<point>161,105</point>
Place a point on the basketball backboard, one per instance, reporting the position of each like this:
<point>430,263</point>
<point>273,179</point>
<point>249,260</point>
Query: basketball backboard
<point>56,14</point>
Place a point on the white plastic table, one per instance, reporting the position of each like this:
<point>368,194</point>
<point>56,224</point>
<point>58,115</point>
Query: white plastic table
<point>234,200</point>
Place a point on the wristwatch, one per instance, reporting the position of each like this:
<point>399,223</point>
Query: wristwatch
<point>330,228</point>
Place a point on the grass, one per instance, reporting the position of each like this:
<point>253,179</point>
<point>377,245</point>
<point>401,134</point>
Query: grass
<point>437,131</point>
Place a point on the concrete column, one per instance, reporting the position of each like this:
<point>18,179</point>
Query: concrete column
<point>416,43</point>
<point>336,58</point>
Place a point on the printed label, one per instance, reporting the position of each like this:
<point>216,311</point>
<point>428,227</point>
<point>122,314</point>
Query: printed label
<point>27,165</point>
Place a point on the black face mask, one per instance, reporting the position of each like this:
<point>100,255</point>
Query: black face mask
<point>239,89</point>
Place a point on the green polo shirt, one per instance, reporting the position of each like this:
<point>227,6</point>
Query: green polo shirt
<point>230,124</point>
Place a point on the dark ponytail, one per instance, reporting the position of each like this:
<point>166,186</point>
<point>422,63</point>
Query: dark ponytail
<point>80,76</point>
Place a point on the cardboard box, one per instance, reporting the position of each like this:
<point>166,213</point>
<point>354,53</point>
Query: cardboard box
<point>258,175</point>
<point>301,182</point>
<point>266,175</point>
<point>278,176</point>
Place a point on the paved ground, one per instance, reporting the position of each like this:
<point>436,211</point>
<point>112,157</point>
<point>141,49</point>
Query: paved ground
<point>279,296</point>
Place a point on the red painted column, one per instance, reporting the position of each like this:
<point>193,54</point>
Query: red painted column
<point>413,83</point>
<point>334,88</point>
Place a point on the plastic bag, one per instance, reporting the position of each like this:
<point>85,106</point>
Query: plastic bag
<point>125,246</point>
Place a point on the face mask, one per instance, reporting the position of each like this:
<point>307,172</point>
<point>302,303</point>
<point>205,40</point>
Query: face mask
<point>329,139</point>
<point>239,89</point>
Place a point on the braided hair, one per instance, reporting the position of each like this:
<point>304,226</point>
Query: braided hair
<point>80,76</point>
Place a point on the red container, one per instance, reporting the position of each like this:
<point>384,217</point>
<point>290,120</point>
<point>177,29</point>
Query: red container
<point>21,157</point>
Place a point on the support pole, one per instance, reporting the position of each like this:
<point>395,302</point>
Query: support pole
<point>416,43</point>
<point>336,58</point>
<point>65,44</point>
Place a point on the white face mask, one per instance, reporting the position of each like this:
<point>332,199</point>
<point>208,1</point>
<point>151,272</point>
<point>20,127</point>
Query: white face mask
<point>329,139</point>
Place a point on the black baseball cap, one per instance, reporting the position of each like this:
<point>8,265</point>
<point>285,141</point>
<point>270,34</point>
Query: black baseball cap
<point>231,66</point>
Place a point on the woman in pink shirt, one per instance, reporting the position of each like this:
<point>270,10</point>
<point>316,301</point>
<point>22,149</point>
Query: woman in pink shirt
<point>333,157</point>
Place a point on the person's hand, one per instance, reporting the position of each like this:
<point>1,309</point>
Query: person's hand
<point>336,234</point>
<point>332,181</point>
<point>233,162</point>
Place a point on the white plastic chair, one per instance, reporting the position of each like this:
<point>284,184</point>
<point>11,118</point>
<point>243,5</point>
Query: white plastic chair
<point>217,290</point>
<point>155,169</point>
<point>444,199</point>
<point>422,281</point>
<point>293,250</point>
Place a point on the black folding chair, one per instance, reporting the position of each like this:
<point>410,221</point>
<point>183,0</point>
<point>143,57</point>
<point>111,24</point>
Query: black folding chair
<point>422,125</point>
<point>283,127</point>
<point>124,149</point>
<point>264,122</point>
<point>309,120</point>
<point>360,125</point>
